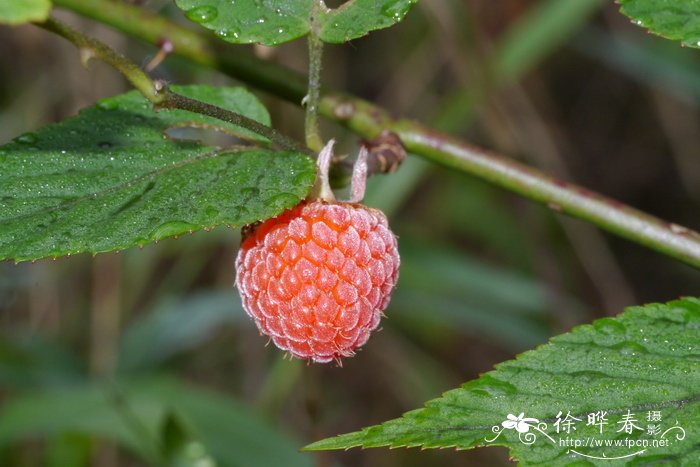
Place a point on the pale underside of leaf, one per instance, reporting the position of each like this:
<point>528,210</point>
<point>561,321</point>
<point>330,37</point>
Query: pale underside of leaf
<point>273,22</point>
<point>646,359</point>
<point>109,178</point>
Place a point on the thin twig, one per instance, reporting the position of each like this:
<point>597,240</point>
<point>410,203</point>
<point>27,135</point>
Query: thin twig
<point>313,95</point>
<point>368,121</point>
<point>159,95</point>
<point>91,48</point>
<point>173,100</point>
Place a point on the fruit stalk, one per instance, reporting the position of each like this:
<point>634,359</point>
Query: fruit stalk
<point>156,91</point>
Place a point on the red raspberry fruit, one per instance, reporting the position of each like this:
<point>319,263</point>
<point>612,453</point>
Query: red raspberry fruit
<point>317,277</point>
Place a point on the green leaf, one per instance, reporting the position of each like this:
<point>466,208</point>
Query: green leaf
<point>110,179</point>
<point>179,449</point>
<point>644,361</point>
<point>246,21</point>
<point>231,432</point>
<point>175,326</point>
<point>503,307</point>
<point>31,360</point>
<point>661,64</point>
<point>357,17</point>
<point>24,11</point>
<point>539,32</point>
<point>544,28</point>
<point>135,413</point>
<point>84,409</point>
<point>275,21</point>
<point>673,19</point>
<point>69,449</point>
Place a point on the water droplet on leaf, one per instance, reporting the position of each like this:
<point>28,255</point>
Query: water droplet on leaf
<point>27,138</point>
<point>202,14</point>
<point>250,191</point>
<point>490,386</point>
<point>172,228</point>
<point>211,211</point>
<point>609,326</point>
<point>107,104</point>
<point>396,10</point>
<point>282,200</point>
<point>630,348</point>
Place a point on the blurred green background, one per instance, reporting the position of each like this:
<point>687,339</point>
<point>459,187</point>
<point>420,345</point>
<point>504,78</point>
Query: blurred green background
<point>147,357</point>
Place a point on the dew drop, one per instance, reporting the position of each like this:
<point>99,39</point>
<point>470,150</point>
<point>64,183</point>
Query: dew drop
<point>27,138</point>
<point>396,10</point>
<point>490,386</point>
<point>250,191</point>
<point>609,326</point>
<point>172,228</point>
<point>227,33</point>
<point>107,104</point>
<point>211,211</point>
<point>202,14</point>
<point>678,315</point>
<point>630,348</point>
<point>282,200</point>
<point>587,376</point>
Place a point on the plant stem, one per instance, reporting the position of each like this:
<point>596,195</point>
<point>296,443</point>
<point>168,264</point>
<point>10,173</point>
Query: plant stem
<point>313,95</point>
<point>368,121</point>
<point>92,48</point>
<point>173,100</point>
<point>159,95</point>
<point>195,46</point>
<point>611,215</point>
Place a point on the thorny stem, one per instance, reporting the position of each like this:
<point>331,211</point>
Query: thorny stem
<point>313,95</point>
<point>156,92</point>
<point>368,121</point>
<point>92,48</point>
<point>611,215</point>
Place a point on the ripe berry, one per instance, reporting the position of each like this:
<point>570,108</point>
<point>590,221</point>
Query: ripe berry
<point>317,278</point>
